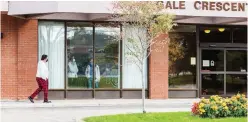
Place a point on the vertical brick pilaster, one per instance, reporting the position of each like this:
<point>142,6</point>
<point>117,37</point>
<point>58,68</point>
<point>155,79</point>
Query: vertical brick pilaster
<point>27,57</point>
<point>158,71</point>
<point>18,57</point>
<point>9,43</point>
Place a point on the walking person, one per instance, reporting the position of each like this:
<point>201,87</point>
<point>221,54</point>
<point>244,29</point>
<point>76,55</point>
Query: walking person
<point>42,79</point>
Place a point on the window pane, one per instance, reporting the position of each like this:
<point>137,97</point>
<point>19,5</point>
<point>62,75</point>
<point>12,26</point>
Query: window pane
<point>132,74</point>
<point>52,43</point>
<point>79,53</point>
<point>212,84</point>
<point>240,35</point>
<point>212,60</point>
<point>215,34</point>
<point>182,69</point>
<point>236,60</point>
<point>236,84</point>
<point>107,39</point>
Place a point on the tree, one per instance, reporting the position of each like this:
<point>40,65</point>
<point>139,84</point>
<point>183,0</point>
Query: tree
<point>145,28</point>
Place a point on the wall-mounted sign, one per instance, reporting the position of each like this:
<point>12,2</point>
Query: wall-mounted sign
<point>192,61</point>
<point>207,8</point>
<point>212,63</point>
<point>205,63</point>
<point>208,5</point>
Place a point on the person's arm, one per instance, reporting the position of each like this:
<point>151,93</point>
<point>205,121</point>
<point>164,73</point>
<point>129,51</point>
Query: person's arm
<point>98,73</point>
<point>86,71</point>
<point>76,68</point>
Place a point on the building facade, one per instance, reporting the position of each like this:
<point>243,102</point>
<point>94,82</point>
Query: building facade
<point>211,39</point>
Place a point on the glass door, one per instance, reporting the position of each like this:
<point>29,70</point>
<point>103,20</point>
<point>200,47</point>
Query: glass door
<point>212,73</point>
<point>223,71</point>
<point>236,71</point>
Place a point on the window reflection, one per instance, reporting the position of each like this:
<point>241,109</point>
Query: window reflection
<point>212,84</point>
<point>107,38</point>
<point>89,74</point>
<point>236,60</point>
<point>79,53</point>
<point>236,84</point>
<point>182,57</point>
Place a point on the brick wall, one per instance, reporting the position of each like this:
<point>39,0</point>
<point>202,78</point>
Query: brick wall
<point>19,57</point>
<point>19,61</point>
<point>9,57</point>
<point>27,57</point>
<point>158,70</point>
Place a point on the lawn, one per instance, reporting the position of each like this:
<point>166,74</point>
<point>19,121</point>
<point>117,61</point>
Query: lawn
<point>159,117</point>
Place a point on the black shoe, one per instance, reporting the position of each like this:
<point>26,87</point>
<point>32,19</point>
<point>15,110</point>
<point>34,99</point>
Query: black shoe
<point>31,99</point>
<point>46,101</point>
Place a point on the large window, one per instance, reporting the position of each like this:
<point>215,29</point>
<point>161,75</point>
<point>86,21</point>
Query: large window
<point>52,42</point>
<point>86,55</point>
<point>132,75</point>
<point>107,56</point>
<point>79,55</point>
<point>103,38</point>
<point>182,57</point>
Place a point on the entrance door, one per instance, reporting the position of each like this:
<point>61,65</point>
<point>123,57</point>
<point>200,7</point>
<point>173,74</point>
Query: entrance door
<point>223,71</point>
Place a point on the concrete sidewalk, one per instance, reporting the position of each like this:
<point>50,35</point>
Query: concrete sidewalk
<point>94,102</point>
<point>75,110</point>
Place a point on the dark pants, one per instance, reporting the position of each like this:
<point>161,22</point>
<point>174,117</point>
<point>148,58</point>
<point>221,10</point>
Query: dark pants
<point>43,85</point>
<point>90,80</point>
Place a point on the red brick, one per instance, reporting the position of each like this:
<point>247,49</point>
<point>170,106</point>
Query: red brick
<point>158,71</point>
<point>18,57</point>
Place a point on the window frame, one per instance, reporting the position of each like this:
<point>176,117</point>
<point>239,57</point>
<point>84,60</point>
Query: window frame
<point>120,89</point>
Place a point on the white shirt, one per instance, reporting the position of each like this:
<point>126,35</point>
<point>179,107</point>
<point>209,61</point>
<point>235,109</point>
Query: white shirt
<point>42,70</point>
<point>73,70</point>
<point>97,72</point>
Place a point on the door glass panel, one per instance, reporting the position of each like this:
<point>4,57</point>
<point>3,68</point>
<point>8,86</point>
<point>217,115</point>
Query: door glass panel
<point>212,84</point>
<point>212,60</point>
<point>236,84</point>
<point>236,60</point>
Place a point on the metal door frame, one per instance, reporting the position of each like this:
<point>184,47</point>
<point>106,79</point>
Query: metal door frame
<point>206,46</point>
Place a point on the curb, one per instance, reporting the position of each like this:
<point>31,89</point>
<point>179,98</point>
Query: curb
<point>148,111</point>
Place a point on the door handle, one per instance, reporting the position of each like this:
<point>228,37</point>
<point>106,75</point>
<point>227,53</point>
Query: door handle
<point>212,45</point>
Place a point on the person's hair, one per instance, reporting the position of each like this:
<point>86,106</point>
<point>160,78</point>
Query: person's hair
<point>70,59</point>
<point>43,57</point>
